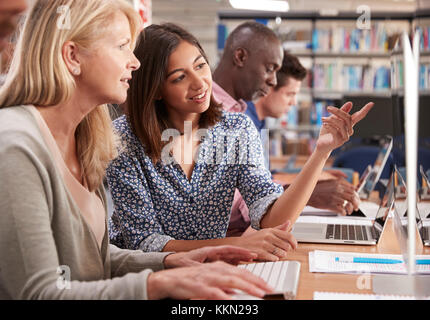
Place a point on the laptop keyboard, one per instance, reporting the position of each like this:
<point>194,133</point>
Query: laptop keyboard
<point>347,232</point>
<point>274,273</point>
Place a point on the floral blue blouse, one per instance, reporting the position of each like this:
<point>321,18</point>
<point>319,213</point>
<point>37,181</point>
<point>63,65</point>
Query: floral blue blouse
<point>154,204</point>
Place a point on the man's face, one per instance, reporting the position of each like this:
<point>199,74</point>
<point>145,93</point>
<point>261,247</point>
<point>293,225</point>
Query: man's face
<point>279,101</point>
<point>9,13</point>
<point>259,70</point>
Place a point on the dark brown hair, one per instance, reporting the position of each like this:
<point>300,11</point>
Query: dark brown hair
<point>147,114</point>
<point>291,68</point>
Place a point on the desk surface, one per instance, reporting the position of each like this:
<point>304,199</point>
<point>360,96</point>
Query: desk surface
<point>348,283</point>
<point>288,178</point>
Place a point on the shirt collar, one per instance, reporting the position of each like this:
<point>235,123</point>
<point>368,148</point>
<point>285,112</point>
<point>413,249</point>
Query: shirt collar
<point>228,102</point>
<point>251,111</point>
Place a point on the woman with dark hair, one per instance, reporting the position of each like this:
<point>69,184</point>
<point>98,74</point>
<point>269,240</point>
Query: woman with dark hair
<point>173,182</point>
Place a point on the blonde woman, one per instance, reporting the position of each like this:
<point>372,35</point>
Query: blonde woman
<point>73,57</point>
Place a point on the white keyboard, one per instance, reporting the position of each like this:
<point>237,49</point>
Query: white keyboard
<point>283,276</point>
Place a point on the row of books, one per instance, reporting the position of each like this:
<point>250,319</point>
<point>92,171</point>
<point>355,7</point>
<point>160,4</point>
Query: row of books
<point>301,123</point>
<point>424,76</point>
<point>341,39</point>
<point>283,145</point>
<point>397,74</point>
<point>340,77</point>
<point>424,37</point>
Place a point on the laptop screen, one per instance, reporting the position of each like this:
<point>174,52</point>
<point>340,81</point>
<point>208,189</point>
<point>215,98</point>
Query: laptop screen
<point>425,185</point>
<point>385,205</point>
<point>424,196</point>
<point>423,206</point>
<point>423,223</point>
<point>378,167</point>
<point>364,178</point>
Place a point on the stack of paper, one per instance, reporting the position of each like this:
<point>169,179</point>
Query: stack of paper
<point>349,262</point>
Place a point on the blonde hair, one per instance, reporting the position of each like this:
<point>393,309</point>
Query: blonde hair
<point>39,76</point>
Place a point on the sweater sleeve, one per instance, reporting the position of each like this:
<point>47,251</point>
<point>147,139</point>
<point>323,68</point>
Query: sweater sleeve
<point>124,261</point>
<point>29,264</point>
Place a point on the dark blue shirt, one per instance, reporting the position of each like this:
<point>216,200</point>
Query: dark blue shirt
<point>260,125</point>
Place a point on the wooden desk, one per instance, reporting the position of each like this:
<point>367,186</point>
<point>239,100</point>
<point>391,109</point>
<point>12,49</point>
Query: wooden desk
<point>288,178</point>
<point>281,161</point>
<point>348,283</point>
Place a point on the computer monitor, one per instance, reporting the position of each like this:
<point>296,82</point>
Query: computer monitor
<point>411,63</point>
<point>400,215</point>
<point>406,227</point>
<point>408,80</point>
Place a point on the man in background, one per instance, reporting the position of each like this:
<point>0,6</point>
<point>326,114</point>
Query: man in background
<point>279,99</point>
<point>247,71</point>
<point>327,194</point>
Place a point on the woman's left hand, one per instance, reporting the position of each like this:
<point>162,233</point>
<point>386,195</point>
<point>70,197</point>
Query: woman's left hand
<point>229,254</point>
<point>337,128</point>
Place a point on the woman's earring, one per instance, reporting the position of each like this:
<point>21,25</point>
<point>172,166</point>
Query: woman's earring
<point>76,71</point>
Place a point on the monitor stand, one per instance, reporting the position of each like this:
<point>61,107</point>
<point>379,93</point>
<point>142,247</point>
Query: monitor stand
<point>408,285</point>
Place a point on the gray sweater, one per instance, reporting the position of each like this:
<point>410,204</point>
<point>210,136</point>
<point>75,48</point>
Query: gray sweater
<point>44,240</point>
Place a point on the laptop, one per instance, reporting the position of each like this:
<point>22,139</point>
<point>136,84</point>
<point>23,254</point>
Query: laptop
<point>363,179</point>
<point>424,196</point>
<point>401,213</point>
<point>423,225</point>
<point>425,186</point>
<point>366,185</point>
<point>372,178</point>
<point>352,230</point>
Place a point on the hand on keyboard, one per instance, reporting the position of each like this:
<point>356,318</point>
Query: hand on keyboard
<point>270,244</point>
<point>229,254</point>
<point>282,276</point>
<point>213,280</point>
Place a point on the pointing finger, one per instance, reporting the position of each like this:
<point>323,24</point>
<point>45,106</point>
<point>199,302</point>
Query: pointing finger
<point>346,107</point>
<point>361,114</point>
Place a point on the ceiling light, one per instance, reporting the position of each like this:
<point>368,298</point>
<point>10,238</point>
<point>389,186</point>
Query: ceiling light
<point>263,5</point>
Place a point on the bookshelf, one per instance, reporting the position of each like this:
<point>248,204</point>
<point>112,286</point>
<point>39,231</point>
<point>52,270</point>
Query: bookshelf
<point>344,63</point>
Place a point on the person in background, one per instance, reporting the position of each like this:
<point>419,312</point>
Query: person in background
<point>280,98</point>
<point>247,71</point>
<point>56,141</point>
<point>328,194</point>
<point>9,16</point>
<point>183,157</point>
<point>10,12</point>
